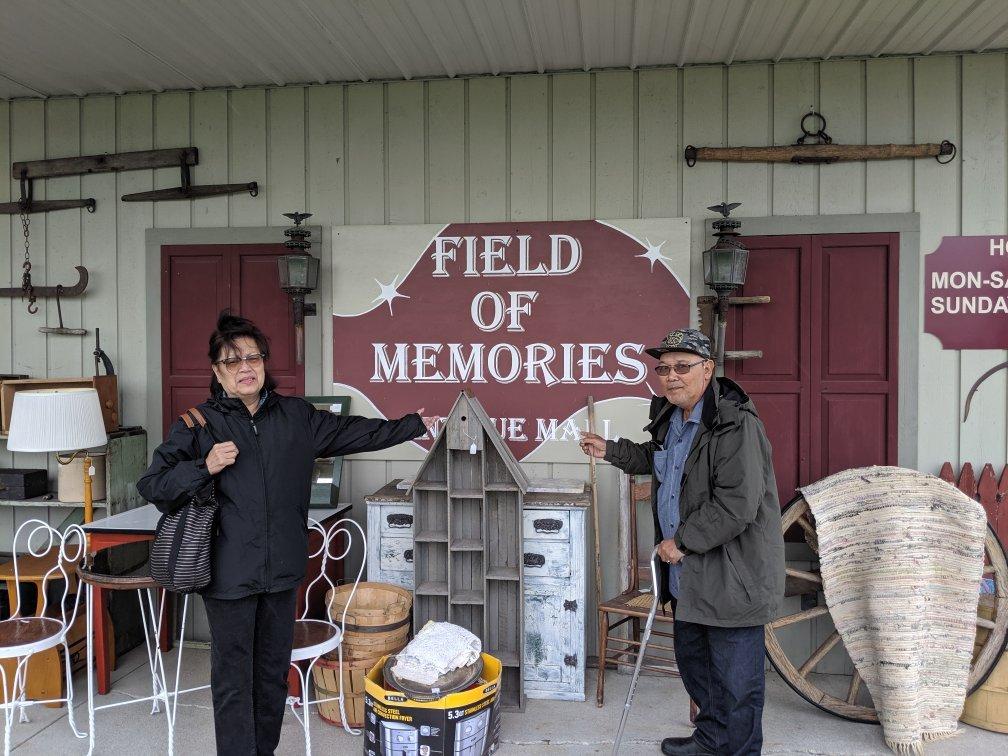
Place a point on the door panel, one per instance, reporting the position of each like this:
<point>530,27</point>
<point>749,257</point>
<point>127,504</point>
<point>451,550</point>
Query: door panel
<point>854,432</point>
<point>826,386</point>
<point>777,382</point>
<point>197,282</point>
<point>548,634</point>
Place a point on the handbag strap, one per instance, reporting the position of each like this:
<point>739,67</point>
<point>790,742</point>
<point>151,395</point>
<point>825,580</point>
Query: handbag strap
<point>193,417</point>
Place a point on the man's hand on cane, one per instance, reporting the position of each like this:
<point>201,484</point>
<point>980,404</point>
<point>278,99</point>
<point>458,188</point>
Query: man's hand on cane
<point>668,552</point>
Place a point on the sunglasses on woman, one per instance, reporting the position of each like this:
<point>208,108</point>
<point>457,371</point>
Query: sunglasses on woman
<point>681,368</point>
<point>233,364</point>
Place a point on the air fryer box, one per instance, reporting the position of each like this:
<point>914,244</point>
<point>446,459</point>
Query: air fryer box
<point>459,724</point>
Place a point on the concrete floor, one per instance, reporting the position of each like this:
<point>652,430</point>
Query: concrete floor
<point>790,725</point>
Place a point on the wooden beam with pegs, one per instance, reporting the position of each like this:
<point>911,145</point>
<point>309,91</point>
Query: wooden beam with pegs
<point>707,308</point>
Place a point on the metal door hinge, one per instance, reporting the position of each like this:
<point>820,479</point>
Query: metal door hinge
<point>571,660</point>
<point>570,606</point>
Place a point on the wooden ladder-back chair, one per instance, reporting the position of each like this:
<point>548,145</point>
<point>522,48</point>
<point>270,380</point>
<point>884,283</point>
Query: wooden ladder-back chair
<point>630,607</point>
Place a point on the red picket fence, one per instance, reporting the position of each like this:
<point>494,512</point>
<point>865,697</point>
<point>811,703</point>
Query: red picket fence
<point>990,490</point>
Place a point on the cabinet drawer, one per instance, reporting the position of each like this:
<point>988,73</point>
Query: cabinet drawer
<point>550,559</point>
<point>396,554</point>
<point>396,520</point>
<point>546,524</point>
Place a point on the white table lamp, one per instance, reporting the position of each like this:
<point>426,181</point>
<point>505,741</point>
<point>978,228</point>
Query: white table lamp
<point>59,420</point>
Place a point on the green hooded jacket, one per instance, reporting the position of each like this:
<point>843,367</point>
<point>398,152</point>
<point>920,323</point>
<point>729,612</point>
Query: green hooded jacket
<point>729,527</point>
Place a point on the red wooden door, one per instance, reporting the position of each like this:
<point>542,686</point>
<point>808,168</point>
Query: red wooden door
<point>197,282</point>
<point>826,386</point>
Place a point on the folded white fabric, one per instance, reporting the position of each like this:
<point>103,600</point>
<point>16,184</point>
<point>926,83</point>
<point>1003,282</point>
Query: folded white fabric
<point>437,649</point>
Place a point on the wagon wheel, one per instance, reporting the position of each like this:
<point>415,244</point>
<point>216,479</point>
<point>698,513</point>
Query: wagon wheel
<point>844,694</point>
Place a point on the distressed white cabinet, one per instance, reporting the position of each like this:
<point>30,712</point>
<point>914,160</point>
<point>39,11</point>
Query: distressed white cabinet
<point>553,573</point>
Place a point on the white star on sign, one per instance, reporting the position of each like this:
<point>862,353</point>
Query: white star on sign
<point>388,292</point>
<point>653,253</point>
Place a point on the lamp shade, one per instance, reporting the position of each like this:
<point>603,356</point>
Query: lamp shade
<point>56,420</point>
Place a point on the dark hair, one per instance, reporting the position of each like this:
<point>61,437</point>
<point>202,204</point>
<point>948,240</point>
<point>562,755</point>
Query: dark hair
<point>229,329</point>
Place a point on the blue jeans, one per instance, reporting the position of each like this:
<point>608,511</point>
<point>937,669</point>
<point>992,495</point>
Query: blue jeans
<point>722,670</point>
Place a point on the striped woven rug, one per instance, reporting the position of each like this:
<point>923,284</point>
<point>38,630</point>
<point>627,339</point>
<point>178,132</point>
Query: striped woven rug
<point>902,555</point>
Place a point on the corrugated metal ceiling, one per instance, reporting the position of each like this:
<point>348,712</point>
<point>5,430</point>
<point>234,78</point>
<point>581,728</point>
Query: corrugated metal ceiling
<point>65,47</point>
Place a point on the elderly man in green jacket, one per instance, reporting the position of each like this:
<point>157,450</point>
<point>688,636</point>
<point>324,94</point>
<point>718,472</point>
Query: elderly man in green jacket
<point>717,525</point>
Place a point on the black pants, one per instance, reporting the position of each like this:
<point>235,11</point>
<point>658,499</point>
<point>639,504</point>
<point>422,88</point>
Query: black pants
<point>722,669</point>
<point>250,650</point>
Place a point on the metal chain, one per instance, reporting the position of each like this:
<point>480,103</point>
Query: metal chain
<point>26,282</point>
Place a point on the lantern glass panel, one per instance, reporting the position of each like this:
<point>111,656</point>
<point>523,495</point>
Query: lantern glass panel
<point>725,266</point>
<point>298,271</point>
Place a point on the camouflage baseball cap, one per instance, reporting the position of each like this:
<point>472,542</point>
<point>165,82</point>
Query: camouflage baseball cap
<point>683,340</point>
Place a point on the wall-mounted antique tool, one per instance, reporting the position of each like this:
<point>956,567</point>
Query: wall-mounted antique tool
<point>62,330</point>
<point>816,146</point>
<point>188,191</point>
<point>183,157</point>
<point>28,204</point>
<point>99,355</point>
<point>33,292</point>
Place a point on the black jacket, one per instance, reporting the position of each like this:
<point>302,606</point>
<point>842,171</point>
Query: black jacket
<point>262,541</point>
<point>729,516</point>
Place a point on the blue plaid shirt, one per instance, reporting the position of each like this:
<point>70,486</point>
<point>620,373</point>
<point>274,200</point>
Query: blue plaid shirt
<point>668,467</point>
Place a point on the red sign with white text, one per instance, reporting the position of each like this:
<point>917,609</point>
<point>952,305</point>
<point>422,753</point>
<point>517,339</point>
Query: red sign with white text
<point>966,292</point>
<point>532,317</point>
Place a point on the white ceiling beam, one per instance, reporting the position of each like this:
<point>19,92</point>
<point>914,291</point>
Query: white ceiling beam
<point>634,35</point>
<point>952,27</point>
<point>196,7</point>
<point>987,42</point>
<point>85,11</point>
<point>335,42</point>
<point>746,15</point>
<point>898,27</point>
<point>31,89</point>
<point>791,32</point>
<point>447,67</point>
<point>845,29</point>
<point>581,36</point>
<point>687,31</point>
<point>403,71</point>
<point>533,37</point>
<point>484,41</point>
<point>285,42</point>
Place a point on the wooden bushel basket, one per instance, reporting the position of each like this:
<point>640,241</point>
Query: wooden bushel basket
<point>326,676</point>
<point>377,622</point>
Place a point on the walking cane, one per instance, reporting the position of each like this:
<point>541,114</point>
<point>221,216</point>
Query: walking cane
<point>656,589</point>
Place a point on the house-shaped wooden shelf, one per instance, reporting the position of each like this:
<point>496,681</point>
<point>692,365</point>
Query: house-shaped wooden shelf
<point>467,556</point>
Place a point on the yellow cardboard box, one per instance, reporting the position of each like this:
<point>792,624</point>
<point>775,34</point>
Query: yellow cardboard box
<point>466,723</point>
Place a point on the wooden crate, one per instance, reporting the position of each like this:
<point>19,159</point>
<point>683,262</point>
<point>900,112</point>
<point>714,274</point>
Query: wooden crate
<point>107,387</point>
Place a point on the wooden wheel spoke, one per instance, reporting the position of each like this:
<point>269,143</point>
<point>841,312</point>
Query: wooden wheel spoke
<point>819,653</point>
<point>802,616</point>
<point>855,685</point>
<point>986,623</point>
<point>812,577</point>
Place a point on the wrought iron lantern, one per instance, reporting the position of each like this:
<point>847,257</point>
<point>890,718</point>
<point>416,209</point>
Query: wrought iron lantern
<point>299,272</point>
<point>725,263</point>
<point>724,267</point>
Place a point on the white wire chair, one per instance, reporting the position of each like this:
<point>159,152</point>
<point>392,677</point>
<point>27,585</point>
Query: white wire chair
<point>314,638</point>
<point>22,636</point>
<point>151,616</point>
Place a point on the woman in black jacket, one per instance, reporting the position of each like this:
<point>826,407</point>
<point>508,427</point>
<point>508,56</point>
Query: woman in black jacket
<point>256,453</point>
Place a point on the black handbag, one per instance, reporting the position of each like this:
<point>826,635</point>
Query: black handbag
<point>182,553</point>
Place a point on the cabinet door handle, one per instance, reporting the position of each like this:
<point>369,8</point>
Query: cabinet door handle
<point>534,560</point>
<point>547,525</point>
<point>399,520</point>
<point>571,660</point>
<point>408,555</point>
<point>570,606</point>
